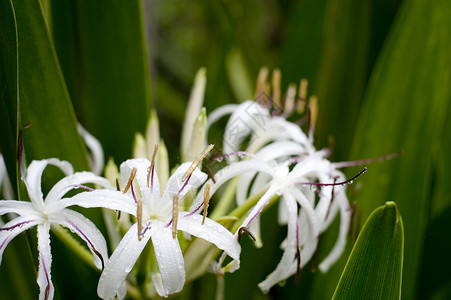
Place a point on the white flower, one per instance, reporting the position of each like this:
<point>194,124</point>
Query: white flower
<point>158,219</point>
<point>306,218</point>
<point>42,213</point>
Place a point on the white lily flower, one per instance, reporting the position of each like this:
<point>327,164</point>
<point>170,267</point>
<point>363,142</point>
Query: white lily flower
<point>43,213</point>
<point>159,219</point>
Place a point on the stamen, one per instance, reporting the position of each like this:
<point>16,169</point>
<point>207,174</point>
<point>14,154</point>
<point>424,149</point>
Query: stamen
<point>196,163</point>
<point>152,168</point>
<point>130,180</point>
<point>20,148</point>
<point>175,215</point>
<point>313,107</point>
<point>206,201</point>
<point>331,198</point>
<point>242,230</point>
<point>289,100</point>
<point>302,96</point>
<point>313,265</point>
<point>139,217</point>
<point>262,83</point>
<point>275,80</point>
<point>118,188</point>
<point>349,181</point>
<point>367,161</point>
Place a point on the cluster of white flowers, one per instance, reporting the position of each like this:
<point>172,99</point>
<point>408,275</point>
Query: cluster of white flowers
<point>268,155</point>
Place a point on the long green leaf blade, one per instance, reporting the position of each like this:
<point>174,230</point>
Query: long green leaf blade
<point>374,269</point>
<point>103,54</point>
<point>406,108</point>
<point>43,96</point>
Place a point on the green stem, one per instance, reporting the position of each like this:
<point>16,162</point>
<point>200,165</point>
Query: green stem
<point>226,200</point>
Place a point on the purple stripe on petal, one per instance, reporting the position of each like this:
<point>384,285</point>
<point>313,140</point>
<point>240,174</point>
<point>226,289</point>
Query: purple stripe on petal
<point>81,186</point>
<point>184,185</point>
<point>15,226</point>
<point>47,289</point>
<point>89,242</point>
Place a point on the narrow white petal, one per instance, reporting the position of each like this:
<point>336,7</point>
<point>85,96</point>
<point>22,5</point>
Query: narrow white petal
<point>87,231</point>
<point>220,112</point>
<point>72,182</point>
<point>121,263</point>
<point>142,166</point>
<point>96,157</point>
<point>34,174</point>
<point>232,170</point>
<point>23,208</point>
<point>211,231</point>
<point>176,186</point>
<point>340,245</point>
<point>282,270</point>
<point>17,226</point>
<point>169,256</point>
<point>99,198</point>
<point>45,262</point>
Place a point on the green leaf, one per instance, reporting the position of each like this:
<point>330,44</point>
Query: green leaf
<point>102,50</point>
<point>374,269</point>
<point>406,108</point>
<point>436,266</point>
<point>43,96</point>
<point>8,86</point>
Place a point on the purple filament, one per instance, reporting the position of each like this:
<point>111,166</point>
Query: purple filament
<point>335,183</point>
<point>89,242</point>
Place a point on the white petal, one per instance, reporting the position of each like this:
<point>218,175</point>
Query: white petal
<point>99,198</point>
<point>87,231</point>
<point>175,186</point>
<point>211,231</point>
<point>18,225</point>
<point>220,112</point>
<point>23,208</point>
<point>142,166</point>
<point>45,262</point>
<point>248,117</point>
<point>282,270</point>
<point>121,263</point>
<point>34,174</point>
<point>340,245</point>
<point>169,256</point>
<point>232,170</point>
<point>96,157</point>
<point>72,182</point>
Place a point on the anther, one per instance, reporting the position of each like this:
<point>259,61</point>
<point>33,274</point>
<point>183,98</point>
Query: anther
<point>175,215</point>
<point>118,188</point>
<point>206,201</point>
<point>152,166</point>
<point>196,163</point>
<point>303,84</point>
<point>313,107</point>
<point>275,80</point>
<point>139,217</point>
<point>242,230</point>
<point>130,180</point>
<point>289,100</point>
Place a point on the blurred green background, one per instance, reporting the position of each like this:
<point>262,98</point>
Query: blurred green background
<point>381,70</point>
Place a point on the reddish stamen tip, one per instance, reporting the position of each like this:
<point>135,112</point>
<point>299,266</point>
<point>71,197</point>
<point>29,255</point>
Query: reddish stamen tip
<point>245,230</point>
